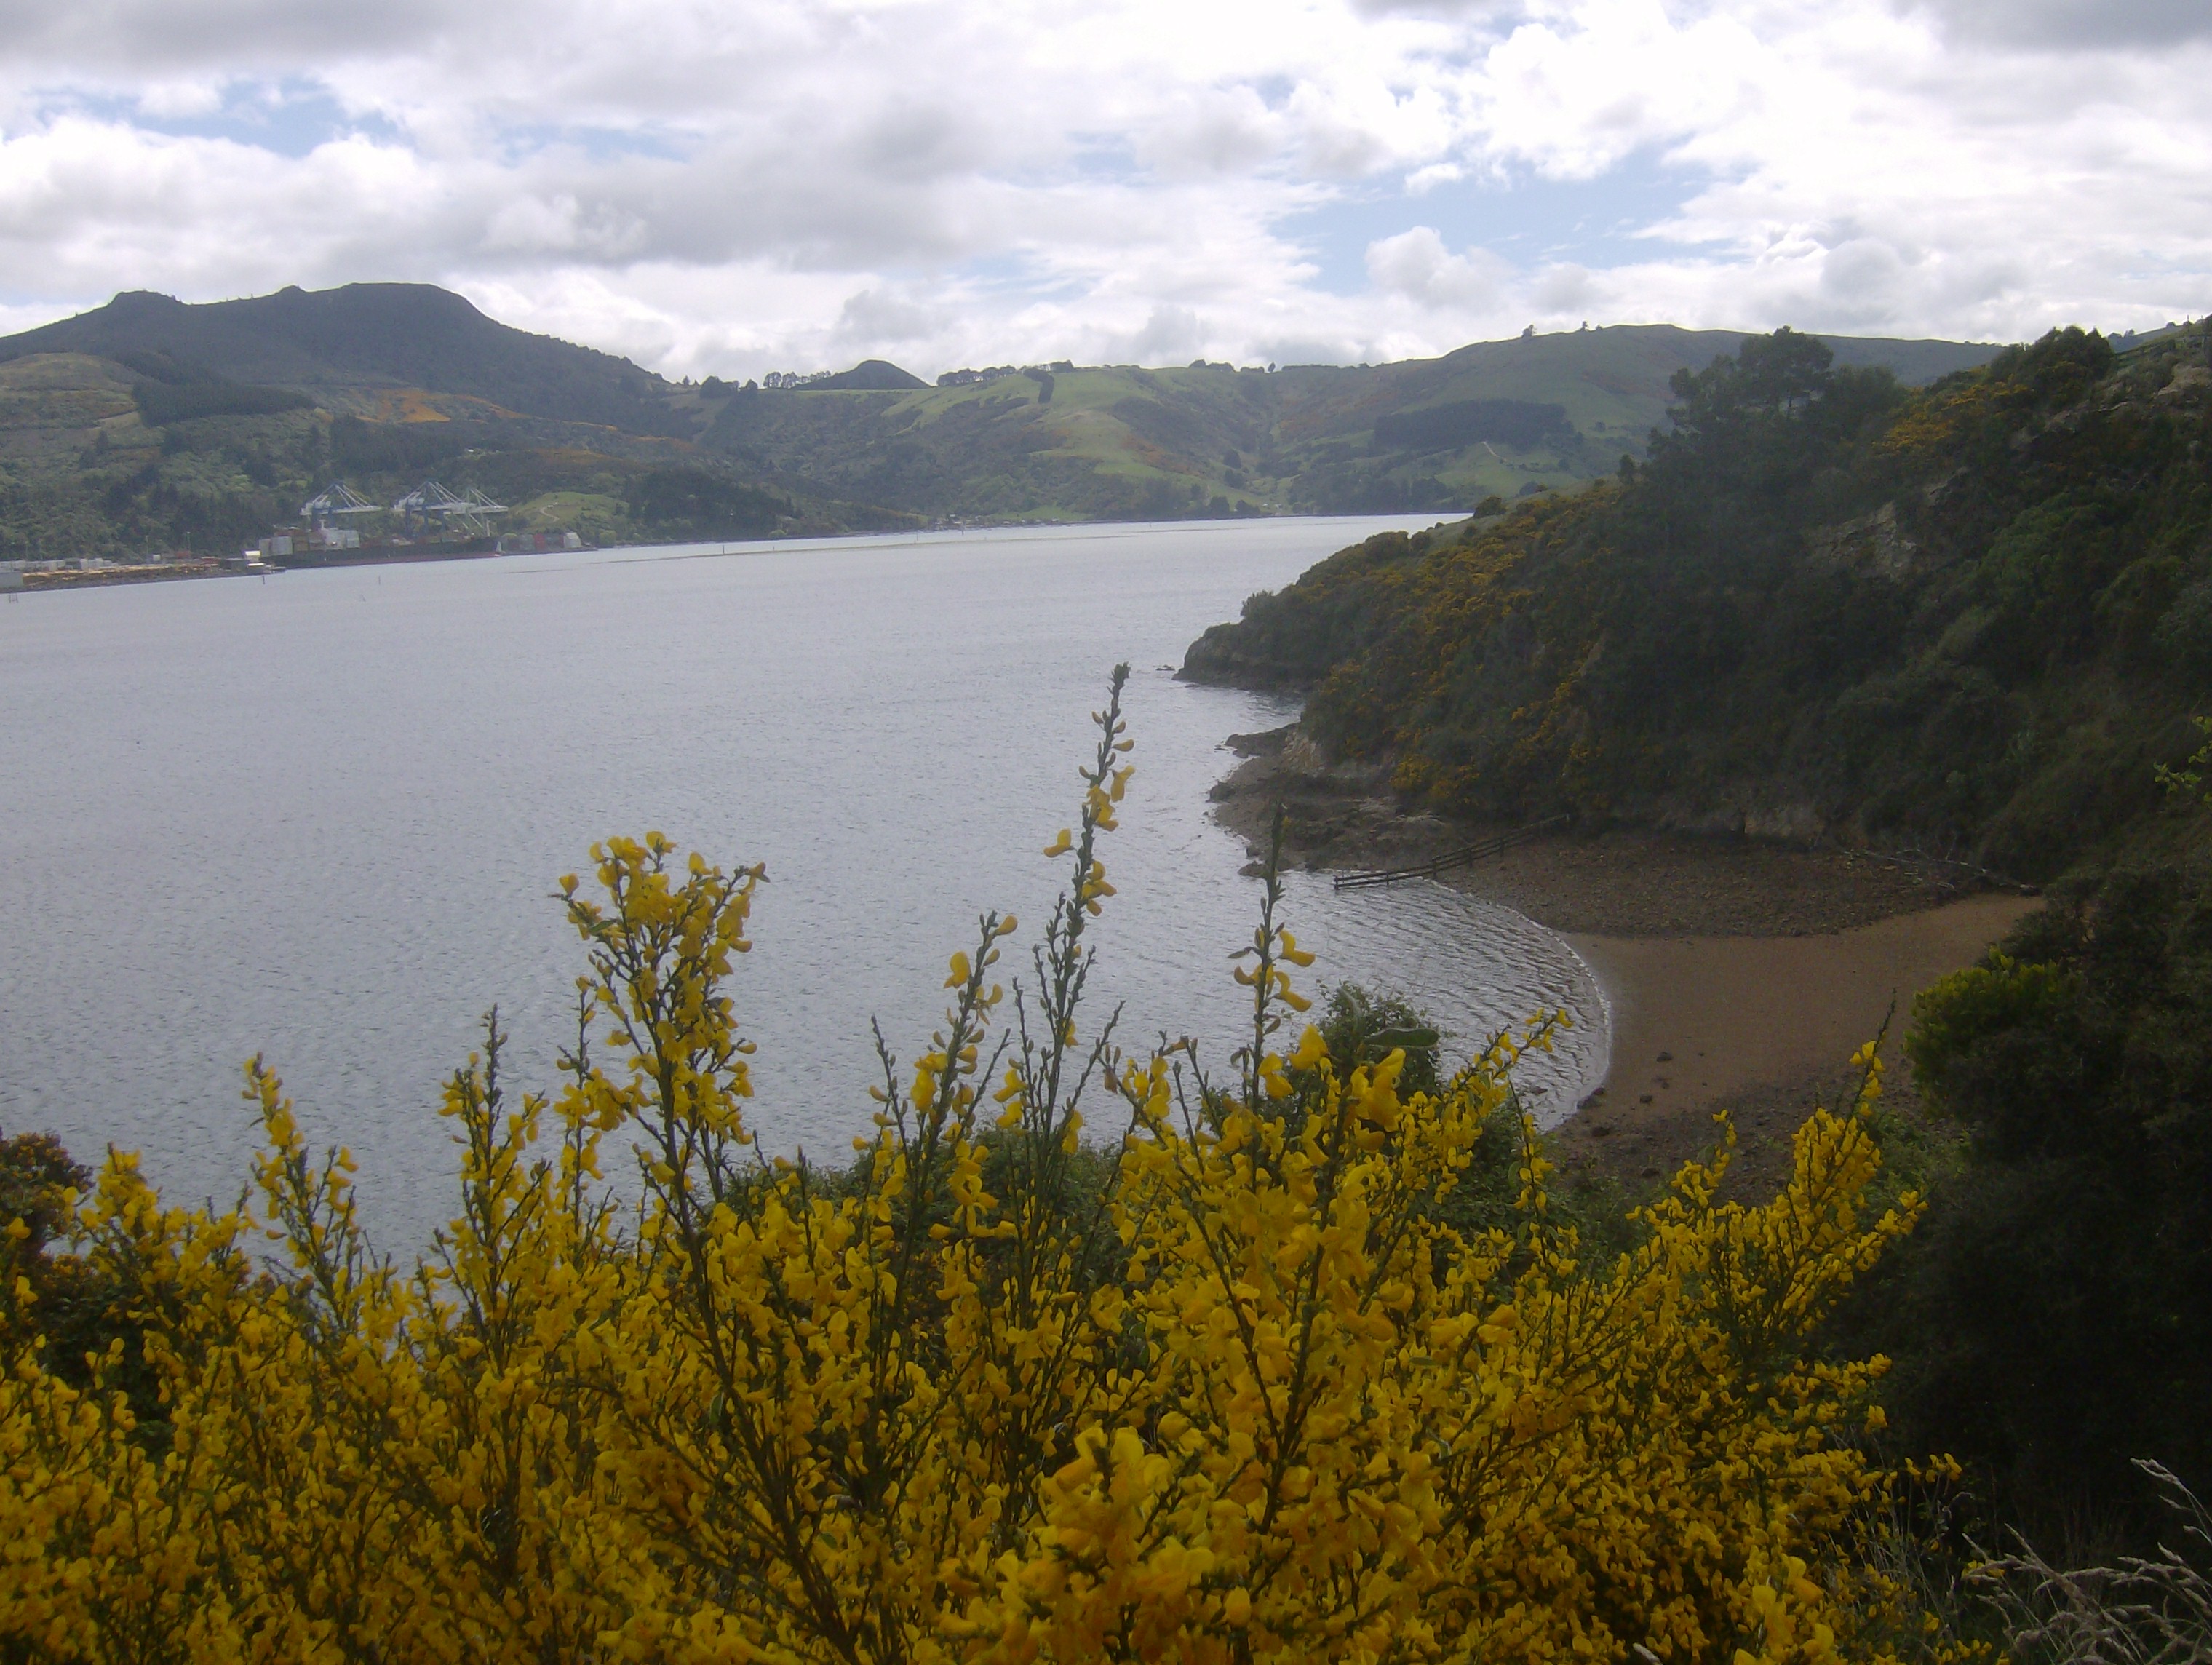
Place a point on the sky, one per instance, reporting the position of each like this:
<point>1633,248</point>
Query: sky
<point>748,185</point>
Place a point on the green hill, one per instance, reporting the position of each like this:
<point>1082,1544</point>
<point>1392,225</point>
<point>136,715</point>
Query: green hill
<point>1347,437</point>
<point>365,337</point>
<point>147,423</point>
<point>100,457</point>
<point>1122,442</point>
<point>1972,618</point>
<point>151,422</point>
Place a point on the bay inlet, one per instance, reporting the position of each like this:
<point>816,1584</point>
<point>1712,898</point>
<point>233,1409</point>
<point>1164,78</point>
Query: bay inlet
<point>320,818</point>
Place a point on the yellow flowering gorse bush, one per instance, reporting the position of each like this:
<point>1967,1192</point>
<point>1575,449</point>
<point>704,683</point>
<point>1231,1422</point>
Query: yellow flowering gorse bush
<point>1224,1386</point>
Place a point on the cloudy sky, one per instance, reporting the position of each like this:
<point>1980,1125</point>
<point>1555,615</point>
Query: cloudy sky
<point>742,186</point>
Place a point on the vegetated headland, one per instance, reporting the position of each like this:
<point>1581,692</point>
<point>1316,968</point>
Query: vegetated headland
<point>1842,683</point>
<point>150,426</point>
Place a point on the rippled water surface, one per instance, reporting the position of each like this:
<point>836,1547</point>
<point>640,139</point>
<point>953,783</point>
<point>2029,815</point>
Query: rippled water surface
<point>319,816</point>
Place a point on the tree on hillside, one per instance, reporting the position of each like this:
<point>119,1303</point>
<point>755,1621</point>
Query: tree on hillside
<point>1973,618</point>
<point>679,502</point>
<point>2056,1313</point>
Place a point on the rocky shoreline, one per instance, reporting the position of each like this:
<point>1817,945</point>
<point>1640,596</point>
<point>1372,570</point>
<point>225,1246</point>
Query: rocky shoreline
<point>1742,972</point>
<point>1610,881</point>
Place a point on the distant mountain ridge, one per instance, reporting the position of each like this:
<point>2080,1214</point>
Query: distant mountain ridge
<point>149,420</point>
<point>1502,418</point>
<point>366,336</point>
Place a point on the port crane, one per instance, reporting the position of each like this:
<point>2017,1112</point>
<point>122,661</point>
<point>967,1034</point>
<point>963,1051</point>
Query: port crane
<point>333,500</point>
<point>469,514</point>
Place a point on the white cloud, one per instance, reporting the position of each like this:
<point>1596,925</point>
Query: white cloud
<point>874,316</point>
<point>1167,335</point>
<point>1565,288</point>
<point>762,184</point>
<point>167,100</point>
<point>2074,23</point>
<point>1416,265</point>
<point>1575,94</point>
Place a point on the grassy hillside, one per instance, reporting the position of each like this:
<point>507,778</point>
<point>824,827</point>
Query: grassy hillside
<point>1124,443</point>
<point>1975,618</point>
<point>87,468</point>
<point>1090,443</point>
<point>1610,388</point>
<point>151,424</point>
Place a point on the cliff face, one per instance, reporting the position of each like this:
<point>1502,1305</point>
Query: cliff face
<point>1972,619</point>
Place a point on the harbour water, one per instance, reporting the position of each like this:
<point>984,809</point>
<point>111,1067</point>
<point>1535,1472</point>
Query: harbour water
<point>319,816</point>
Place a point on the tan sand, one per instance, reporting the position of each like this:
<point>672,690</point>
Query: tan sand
<point>1736,1015</point>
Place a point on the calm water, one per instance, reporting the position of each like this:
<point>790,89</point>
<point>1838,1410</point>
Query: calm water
<point>319,816</point>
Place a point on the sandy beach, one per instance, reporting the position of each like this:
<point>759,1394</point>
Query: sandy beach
<point>1741,975</point>
<point>1762,1026</point>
